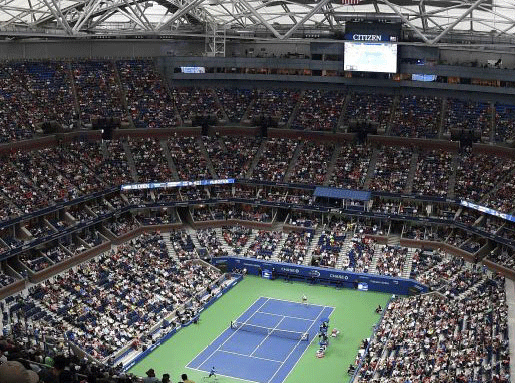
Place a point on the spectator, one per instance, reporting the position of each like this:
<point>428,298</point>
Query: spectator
<point>275,160</point>
<point>235,101</point>
<point>14,372</point>
<point>351,166</point>
<point>319,110</point>
<point>277,104</point>
<point>432,173</point>
<point>391,172</point>
<point>185,379</point>
<point>417,116</point>
<point>369,107</point>
<point>151,377</point>
<point>148,100</point>
<point>312,164</point>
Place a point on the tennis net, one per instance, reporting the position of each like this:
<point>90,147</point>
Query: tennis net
<point>296,335</point>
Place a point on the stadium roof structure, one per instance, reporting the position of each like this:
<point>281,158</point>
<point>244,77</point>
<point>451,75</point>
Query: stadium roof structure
<point>431,22</point>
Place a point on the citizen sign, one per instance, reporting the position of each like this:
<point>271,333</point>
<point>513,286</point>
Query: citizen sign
<point>366,37</point>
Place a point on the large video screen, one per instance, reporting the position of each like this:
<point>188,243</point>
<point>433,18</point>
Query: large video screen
<point>370,57</point>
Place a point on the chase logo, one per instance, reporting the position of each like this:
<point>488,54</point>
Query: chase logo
<point>288,270</point>
<point>314,273</point>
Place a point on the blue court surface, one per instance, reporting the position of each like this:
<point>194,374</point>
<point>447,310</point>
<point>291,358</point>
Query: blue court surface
<point>267,342</point>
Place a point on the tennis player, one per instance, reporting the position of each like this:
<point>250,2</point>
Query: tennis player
<point>304,299</point>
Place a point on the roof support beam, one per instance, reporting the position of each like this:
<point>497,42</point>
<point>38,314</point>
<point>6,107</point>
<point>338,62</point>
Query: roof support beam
<point>32,16</point>
<point>422,10</point>
<point>101,19</point>
<point>376,7</point>
<point>456,22</point>
<point>86,14</point>
<point>179,13</point>
<point>260,18</point>
<point>287,10</point>
<point>131,17</point>
<point>236,19</point>
<point>406,21</point>
<point>140,15</point>
<point>304,19</point>
<point>59,17</point>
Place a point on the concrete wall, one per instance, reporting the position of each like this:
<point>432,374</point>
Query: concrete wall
<point>481,57</point>
<point>109,48</point>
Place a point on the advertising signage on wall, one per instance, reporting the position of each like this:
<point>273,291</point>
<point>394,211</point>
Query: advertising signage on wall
<point>176,184</point>
<point>369,37</point>
<point>489,211</point>
<point>322,275</point>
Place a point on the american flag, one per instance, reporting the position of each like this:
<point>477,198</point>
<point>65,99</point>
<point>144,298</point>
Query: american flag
<point>350,2</point>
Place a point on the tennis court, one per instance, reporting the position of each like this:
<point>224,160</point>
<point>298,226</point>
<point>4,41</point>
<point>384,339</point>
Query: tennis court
<point>265,342</point>
<point>353,315</point>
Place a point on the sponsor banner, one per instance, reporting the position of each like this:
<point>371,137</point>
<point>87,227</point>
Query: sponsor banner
<point>369,37</point>
<point>322,275</point>
<point>176,184</point>
<point>489,211</point>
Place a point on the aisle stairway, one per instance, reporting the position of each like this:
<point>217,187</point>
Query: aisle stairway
<point>256,159</point>
<point>130,160</point>
<point>341,118</point>
<point>169,159</point>
<point>343,258</point>
<point>193,234</point>
<point>169,246</point>
<point>441,120</point>
<point>209,164</point>
<point>411,173</point>
<point>371,169</point>
<point>123,94</point>
<point>103,149</point>
<point>332,164</point>
<point>245,116</point>
<point>220,107</point>
<point>74,92</point>
<point>277,251</point>
<point>295,111</point>
<point>377,254</point>
<point>293,161</point>
<point>312,245</point>
<point>452,177</point>
<point>492,121</point>
<point>408,263</point>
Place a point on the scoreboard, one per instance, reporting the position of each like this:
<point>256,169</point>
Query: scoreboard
<point>371,47</point>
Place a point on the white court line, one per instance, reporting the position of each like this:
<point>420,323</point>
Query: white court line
<point>225,376</point>
<point>291,352</point>
<point>266,337</point>
<point>286,316</point>
<point>230,336</point>
<point>205,348</point>
<point>300,303</point>
<point>306,349</point>
<point>250,356</point>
